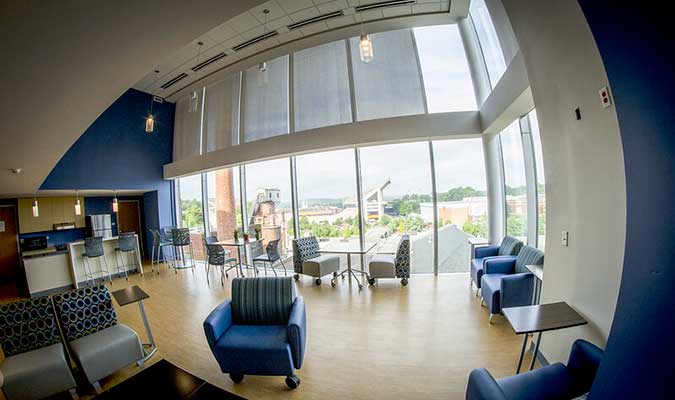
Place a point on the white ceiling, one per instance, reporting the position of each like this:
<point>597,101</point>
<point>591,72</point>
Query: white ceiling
<point>64,62</point>
<point>250,24</point>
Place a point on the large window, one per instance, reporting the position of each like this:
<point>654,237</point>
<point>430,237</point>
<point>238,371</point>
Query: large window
<point>224,204</point>
<point>514,182</point>
<point>221,113</point>
<point>462,203</point>
<point>489,42</point>
<point>390,85</point>
<point>447,79</point>
<point>191,211</point>
<point>187,139</point>
<point>268,197</point>
<point>396,181</point>
<point>321,86</point>
<point>541,182</point>
<point>266,100</point>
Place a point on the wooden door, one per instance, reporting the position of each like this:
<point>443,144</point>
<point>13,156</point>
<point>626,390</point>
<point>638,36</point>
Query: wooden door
<point>12,278</point>
<point>129,218</point>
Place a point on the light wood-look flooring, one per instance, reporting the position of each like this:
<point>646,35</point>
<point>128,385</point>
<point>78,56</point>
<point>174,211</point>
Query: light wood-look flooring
<point>385,342</point>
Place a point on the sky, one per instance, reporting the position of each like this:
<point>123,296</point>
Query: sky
<point>459,162</point>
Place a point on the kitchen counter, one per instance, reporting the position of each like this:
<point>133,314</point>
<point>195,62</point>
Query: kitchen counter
<point>49,251</point>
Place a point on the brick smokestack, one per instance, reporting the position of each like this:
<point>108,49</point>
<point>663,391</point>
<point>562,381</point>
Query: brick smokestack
<point>226,209</point>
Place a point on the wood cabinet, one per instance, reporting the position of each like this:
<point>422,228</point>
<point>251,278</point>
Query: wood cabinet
<point>53,210</point>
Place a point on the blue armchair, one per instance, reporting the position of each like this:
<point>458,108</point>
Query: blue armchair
<point>556,381</point>
<point>507,283</point>
<point>508,249</point>
<point>261,331</point>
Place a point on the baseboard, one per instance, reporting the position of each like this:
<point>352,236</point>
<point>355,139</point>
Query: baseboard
<point>540,357</point>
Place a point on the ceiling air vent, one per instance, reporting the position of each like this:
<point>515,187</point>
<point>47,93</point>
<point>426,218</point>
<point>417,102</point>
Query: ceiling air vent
<point>209,61</point>
<point>315,19</point>
<point>382,4</point>
<point>174,80</point>
<point>255,40</point>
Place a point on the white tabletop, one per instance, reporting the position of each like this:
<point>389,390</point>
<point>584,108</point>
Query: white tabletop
<point>348,248</point>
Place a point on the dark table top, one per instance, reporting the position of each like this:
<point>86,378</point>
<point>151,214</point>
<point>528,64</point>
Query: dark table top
<point>129,295</point>
<point>542,317</point>
<point>166,381</point>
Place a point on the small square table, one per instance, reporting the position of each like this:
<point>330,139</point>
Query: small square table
<point>349,248</point>
<point>240,244</point>
<point>135,294</point>
<point>538,319</point>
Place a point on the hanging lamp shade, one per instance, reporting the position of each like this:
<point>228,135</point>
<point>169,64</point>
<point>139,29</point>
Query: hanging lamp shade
<point>366,48</point>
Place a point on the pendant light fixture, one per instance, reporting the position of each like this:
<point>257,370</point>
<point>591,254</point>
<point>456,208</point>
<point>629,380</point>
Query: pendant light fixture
<point>150,120</point>
<point>365,45</point>
<point>194,98</point>
<point>36,208</point>
<point>115,204</point>
<point>78,206</point>
<point>263,73</point>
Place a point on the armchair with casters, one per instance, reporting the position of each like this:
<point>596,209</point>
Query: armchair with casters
<point>392,265</point>
<point>308,261</point>
<point>261,331</point>
<point>552,382</point>
<point>509,248</point>
<point>506,282</point>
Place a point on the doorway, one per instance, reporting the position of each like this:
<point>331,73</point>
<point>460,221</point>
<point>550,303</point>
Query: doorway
<point>129,219</point>
<point>12,277</point>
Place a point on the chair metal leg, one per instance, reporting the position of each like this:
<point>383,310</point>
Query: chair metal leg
<point>152,258</point>
<point>97,387</point>
<point>273,270</point>
<point>490,318</point>
<point>482,301</point>
<point>477,291</point>
<point>73,394</point>
<point>208,267</point>
<point>283,265</point>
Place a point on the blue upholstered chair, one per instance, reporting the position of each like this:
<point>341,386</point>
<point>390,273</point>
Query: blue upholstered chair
<point>507,283</point>
<point>35,364</point>
<point>261,331</point>
<point>509,247</point>
<point>552,382</point>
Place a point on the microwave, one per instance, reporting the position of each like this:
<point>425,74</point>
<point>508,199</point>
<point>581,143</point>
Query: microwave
<point>34,243</point>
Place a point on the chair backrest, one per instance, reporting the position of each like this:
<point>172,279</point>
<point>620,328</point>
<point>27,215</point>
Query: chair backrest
<point>156,237</point>
<point>165,233</point>
<point>211,240</point>
<point>180,236</point>
<point>304,249</point>
<point>272,250</point>
<point>510,246</point>
<point>93,246</point>
<point>127,241</point>
<point>84,311</point>
<point>528,256</point>
<point>215,254</point>
<point>403,257</point>
<point>27,325</point>
<point>262,301</point>
<point>256,248</point>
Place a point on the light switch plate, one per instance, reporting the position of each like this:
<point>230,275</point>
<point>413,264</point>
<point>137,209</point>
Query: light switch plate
<point>565,238</point>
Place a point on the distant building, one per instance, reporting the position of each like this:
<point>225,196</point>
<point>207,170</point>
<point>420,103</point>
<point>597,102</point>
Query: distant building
<point>455,212</point>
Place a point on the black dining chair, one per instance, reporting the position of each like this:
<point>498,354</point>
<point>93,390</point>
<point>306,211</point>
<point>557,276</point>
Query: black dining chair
<point>271,255</point>
<point>216,255</point>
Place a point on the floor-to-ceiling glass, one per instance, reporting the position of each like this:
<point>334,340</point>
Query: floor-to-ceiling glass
<point>514,182</point>
<point>397,200</point>
<point>462,202</point>
<point>489,41</point>
<point>541,181</point>
<point>191,210</point>
<point>268,197</point>
<point>224,204</point>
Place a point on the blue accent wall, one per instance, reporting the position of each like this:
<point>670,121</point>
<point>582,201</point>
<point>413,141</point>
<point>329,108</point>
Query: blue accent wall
<point>115,153</point>
<point>636,50</point>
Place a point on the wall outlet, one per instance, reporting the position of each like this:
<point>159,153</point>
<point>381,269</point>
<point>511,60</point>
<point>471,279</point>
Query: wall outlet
<point>605,100</point>
<point>565,238</point>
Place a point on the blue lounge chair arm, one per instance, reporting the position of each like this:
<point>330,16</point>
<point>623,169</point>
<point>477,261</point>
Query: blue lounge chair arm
<point>516,290</point>
<point>218,322</point>
<point>485,251</point>
<point>297,331</point>
<point>499,265</point>
<point>482,386</point>
<point>583,363</point>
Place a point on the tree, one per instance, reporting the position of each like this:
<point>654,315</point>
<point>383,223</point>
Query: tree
<point>460,193</point>
<point>477,227</point>
<point>515,225</point>
<point>191,213</point>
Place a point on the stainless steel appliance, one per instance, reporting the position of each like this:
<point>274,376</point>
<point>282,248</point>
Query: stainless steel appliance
<point>34,243</point>
<point>99,225</point>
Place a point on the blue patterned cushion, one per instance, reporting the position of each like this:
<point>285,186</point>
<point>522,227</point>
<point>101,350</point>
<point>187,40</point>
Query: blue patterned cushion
<point>27,325</point>
<point>262,301</point>
<point>403,257</point>
<point>510,246</point>
<point>84,311</point>
<point>528,256</point>
<point>304,249</point>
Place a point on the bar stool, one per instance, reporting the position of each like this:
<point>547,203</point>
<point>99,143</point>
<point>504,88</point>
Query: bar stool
<point>180,238</point>
<point>158,244</point>
<point>93,248</point>
<point>270,256</point>
<point>216,255</point>
<point>126,244</point>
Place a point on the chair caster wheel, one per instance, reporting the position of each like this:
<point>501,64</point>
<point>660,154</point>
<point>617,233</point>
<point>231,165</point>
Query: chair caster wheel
<point>335,274</point>
<point>404,281</point>
<point>292,381</point>
<point>236,378</point>
<point>332,282</point>
<point>371,281</point>
<point>296,277</point>
<point>317,281</point>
